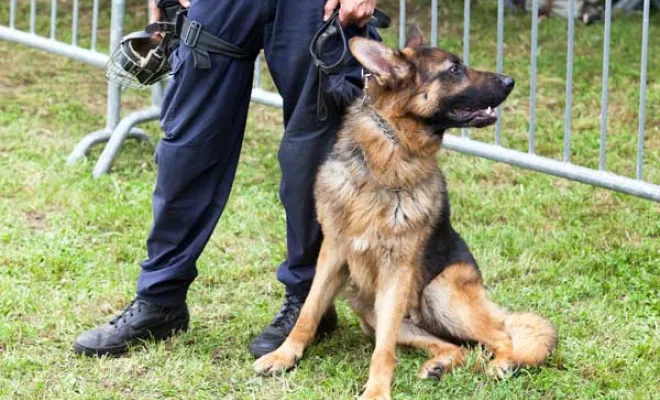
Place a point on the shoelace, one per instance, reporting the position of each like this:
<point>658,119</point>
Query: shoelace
<point>128,311</point>
<point>288,313</point>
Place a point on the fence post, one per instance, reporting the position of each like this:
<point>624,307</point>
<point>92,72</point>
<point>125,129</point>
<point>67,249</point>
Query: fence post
<point>569,81</point>
<point>114,90</point>
<point>606,75</point>
<point>118,10</point>
<point>642,90</point>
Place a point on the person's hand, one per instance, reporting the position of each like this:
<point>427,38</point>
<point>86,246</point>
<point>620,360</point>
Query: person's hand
<point>157,13</point>
<point>350,11</point>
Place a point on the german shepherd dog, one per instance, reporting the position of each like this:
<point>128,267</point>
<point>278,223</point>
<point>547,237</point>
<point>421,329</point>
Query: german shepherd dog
<point>388,241</point>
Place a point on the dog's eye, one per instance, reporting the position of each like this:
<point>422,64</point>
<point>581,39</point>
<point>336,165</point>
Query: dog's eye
<point>455,69</point>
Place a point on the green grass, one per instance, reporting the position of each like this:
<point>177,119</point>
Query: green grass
<point>587,258</point>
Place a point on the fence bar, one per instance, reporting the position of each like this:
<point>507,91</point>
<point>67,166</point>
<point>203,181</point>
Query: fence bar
<point>74,24</point>
<point>33,15</point>
<point>12,14</point>
<point>257,71</point>
<point>532,73</point>
<point>500,64</point>
<point>114,90</point>
<point>157,93</point>
<point>466,32</point>
<point>642,90</point>
<point>95,23</point>
<point>466,43</point>
<point>434,23</point>
<point>119,135</point>
<point>552,167</point>
<point>569,81</point>
<point>53,18</point>
<point>266,98</point>
<point>53,46</point>
<point>606,74</point>
<point>157,90</point>
<point>402,23</point>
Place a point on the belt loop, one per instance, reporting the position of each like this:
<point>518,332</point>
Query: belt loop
<point>190,36</point>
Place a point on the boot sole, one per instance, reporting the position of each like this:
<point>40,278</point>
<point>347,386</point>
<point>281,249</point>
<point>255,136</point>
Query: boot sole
<point>155,334</point>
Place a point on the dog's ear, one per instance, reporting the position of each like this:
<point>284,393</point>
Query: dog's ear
<point>414,37</point>
<point>379,59</point>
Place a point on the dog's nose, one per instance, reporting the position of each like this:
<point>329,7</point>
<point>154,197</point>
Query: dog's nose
<point>507,82</point>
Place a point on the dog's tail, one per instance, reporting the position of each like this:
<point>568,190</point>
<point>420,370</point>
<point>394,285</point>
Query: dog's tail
<point>533,337</point>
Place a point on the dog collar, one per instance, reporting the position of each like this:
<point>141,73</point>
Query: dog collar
<point>384,126</point>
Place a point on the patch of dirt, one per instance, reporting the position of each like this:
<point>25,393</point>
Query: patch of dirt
<point>35,220</point>
<point>218,355</point>
<point>652,135</point>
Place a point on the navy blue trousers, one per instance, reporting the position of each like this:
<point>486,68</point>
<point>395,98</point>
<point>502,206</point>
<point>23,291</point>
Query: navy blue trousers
<point>203,119</point>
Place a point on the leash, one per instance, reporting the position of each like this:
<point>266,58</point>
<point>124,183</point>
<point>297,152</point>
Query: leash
<point>330,28</point>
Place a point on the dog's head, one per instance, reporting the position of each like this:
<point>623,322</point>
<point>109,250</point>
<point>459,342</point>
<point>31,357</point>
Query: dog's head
<point>430,85</point>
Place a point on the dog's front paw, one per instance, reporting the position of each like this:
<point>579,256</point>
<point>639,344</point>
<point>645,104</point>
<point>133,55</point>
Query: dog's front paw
<point>499,369</point>
<point>434,369</point>
<point>281,360</point>
<point>376,393</point>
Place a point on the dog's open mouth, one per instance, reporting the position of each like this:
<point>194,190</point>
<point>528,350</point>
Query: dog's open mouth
<point>479,118</point>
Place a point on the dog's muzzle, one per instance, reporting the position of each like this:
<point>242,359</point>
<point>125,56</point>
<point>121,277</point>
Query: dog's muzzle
<point>139,61</point>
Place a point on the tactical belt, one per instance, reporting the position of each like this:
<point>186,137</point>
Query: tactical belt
<point>192,35</point>
<point>202,43</point>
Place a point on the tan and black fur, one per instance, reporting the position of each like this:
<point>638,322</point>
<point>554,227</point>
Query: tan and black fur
<point>388,241</point>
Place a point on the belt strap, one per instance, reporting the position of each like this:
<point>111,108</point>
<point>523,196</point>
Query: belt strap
<point>202,43</point>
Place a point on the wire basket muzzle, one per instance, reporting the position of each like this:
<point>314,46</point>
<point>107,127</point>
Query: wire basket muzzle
<point>138,62</point>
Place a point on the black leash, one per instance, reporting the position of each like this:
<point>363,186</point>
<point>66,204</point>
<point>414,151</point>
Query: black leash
<point>330,28</point>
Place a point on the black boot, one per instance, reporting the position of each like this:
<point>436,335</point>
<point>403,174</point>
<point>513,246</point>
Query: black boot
<point>279,328</point>
<point>139,321</point>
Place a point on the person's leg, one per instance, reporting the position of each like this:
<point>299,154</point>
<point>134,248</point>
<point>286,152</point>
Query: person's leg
<point>307,137</point>
<point>307,141</point>
<point>203,117</point>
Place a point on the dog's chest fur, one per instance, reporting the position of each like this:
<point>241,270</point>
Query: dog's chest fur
<point>379,201</point>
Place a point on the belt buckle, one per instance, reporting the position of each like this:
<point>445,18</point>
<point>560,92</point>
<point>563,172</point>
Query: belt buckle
<point>191,35</point>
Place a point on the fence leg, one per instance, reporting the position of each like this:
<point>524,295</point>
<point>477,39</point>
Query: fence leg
<point>85,144</point>
<point>119,134</point>
<point>113,100</point>
<point>125,130</point>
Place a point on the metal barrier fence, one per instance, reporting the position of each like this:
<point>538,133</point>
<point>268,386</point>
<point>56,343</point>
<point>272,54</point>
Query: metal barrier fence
<point>530,160</point>
<point>116,130</point>
<point>74,50</point>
